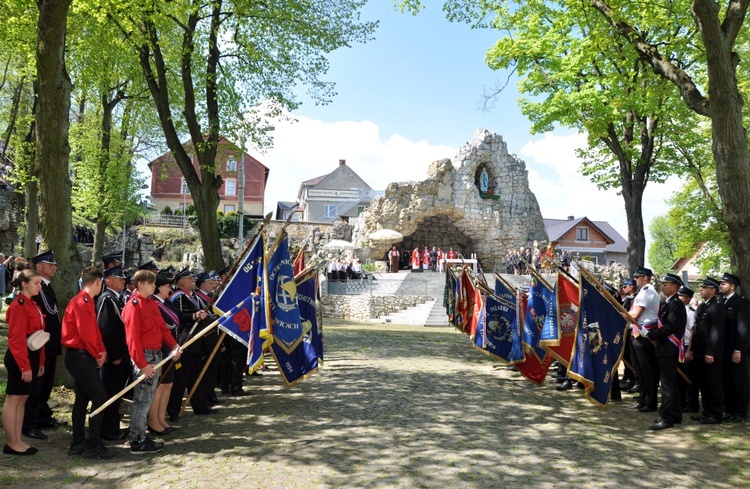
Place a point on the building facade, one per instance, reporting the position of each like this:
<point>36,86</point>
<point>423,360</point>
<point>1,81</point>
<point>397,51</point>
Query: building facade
<point>168,186</point>
<point>581,236</point>
<point>341,194</point>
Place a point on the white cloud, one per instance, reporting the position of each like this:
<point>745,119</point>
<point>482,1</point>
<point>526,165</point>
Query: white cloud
<point>310,148</point>
<point>562,191</point>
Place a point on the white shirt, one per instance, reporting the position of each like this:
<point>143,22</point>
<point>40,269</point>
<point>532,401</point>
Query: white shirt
<point>690,324</point>
<point>648,299</point>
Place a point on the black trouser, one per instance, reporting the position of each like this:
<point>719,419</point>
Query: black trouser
<point>627,356</point>
<point>114,378</point>
<point>36,411</point>
<point>649,366</point>
<point>735,386</point>
<point>187,368</point>
<point>208,343</point>
<point>239,364</point>
<point>689,393</point>
<point>88,388</point>
<point>671,407</point>
<point>711,386</point>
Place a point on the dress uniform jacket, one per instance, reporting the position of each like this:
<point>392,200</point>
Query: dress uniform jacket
<point>109,317</point>
<point>708,334</point>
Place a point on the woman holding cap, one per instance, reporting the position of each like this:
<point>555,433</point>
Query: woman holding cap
<point>25,367</point>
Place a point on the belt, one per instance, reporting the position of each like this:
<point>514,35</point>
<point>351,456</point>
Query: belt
<point>76,350</point>
<point>147,350</point>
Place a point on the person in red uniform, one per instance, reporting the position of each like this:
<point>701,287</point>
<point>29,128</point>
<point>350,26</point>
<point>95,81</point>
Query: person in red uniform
<point>25,367</point>
<point>426,258</point>
<point>146,333</point>
<point>416,259</point>
<point>84,357</point>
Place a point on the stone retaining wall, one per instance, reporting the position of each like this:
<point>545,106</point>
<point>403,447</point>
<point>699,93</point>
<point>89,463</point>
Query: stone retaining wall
<point>362,308</point>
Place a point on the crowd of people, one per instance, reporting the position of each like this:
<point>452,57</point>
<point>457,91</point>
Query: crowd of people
<point>694,351</point>
<point>517,261</point>
<point>425,258</point>
<point>83,234</point>
<point>341,269</point>
<point>116,329</point>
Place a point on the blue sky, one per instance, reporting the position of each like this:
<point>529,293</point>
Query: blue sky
<point>414,95</point>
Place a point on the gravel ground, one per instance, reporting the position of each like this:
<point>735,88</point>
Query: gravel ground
<point>402,406</point>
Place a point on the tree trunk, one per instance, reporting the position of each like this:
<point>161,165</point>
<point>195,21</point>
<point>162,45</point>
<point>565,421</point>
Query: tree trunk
<point>636,233</point>
<point>99,238</point>
<point>31,218</point>
<point>206,201</point>
<point>52,148</point>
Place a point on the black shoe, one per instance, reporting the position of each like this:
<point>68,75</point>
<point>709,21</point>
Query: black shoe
<point>698,417</point>
<point>565,386</point>
<point>215,400</point>
<point>662,424</point>
<point>240,393</point>
<point>101,452</point>
<point>709,420</point>
<point>155,432</point>
<point>735,419</point>
<point>168,430</point>
<point>119,435</point>
<point>203,412</point>
<point>646,409</point>
<point>636,406</point>
<point>51,423</point>
<point>173,418</point>
<point>726,416</point>
<point>34,433</point>
<point>635,389</point>
<point>144,446</point>
<point>29,451</point>
<point>77,448</point>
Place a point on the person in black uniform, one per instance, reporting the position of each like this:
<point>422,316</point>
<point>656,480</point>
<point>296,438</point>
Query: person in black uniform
<point>116,369</point>
<point>191,362</point>
<point>38,414</point>
<point>205,285</point>
<point>734,368</point>
<point>668,337</point>
<point>689,393</point>
<point>707,350</point>
<point>630,379</point>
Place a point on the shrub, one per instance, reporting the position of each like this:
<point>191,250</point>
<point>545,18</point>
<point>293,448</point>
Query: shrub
<point>167,210</point>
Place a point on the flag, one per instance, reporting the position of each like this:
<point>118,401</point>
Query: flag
<point>560,325</point>
<point>282,311</point>
<point>516,352</point>
<point>476,311</point>
<point>494,333</point>
<point>465,301</point>
<point>598,344</point>
<point>538,360</point>
<point>481,323</point>
<point>449,295</point>
<point>302,361</point>
<point>244,282</point>
<point>259,338</point>
<point>504,290</point>
<point>299,262</point>
<point>308,293</point>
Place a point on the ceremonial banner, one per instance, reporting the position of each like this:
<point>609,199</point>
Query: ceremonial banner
<point>282,312</point>
<point>245,281</point>
<point>494,334</point>
<point>449,295</point>
<point>559,328</point>
<point>258,345</point>
<point>504,290</point>
<point>465,301</point>
<point>537,359</point>
<point>302,361</point>
<point>477,310</point>
<point>299,262</point>
<point>516,353</point>
<point>598,344</point>
<point>308,293</point>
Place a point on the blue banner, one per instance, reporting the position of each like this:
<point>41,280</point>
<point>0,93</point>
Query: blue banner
<point>307,298</point>
<point>302,361</point>
<point>541,299</point>
<point>259,339</point>
<point>479,331</point>
<point>282,311</point>
<point>599,341</point>
<point>244,282</point>
<point>516,352</point>
<point>503,291</point>
<point>498,319</point>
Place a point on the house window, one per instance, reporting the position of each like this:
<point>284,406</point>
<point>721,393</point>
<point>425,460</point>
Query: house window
<point>330,211</point>
<point>184,190</point>
<point>231,164</point>
<point>230,187</point>
<point>582,234</point>
<point>228,208</point>
<point>360,209</point>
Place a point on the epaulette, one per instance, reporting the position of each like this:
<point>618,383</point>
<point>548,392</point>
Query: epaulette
<point>135,302</point>
<point>85,299</point>
<point>20,301</point>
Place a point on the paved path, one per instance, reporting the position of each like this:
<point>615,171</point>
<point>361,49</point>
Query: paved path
<point>400,406</point>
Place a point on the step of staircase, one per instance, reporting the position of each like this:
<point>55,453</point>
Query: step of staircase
<point>437,316</point>
<point>416,315</point>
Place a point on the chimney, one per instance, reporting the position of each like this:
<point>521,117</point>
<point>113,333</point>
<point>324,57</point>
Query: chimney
<point>570,218</point>
<point>342,162</point>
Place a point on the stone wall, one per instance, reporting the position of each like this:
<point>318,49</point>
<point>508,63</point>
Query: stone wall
<point>11,217</point>
<point>449,208</point>
<point>362,308</point>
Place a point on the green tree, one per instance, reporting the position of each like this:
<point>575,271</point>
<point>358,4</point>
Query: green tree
<point>572,74</point>
<point>662,253</point>
<point>717,54</point>
<point>206,62</point>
